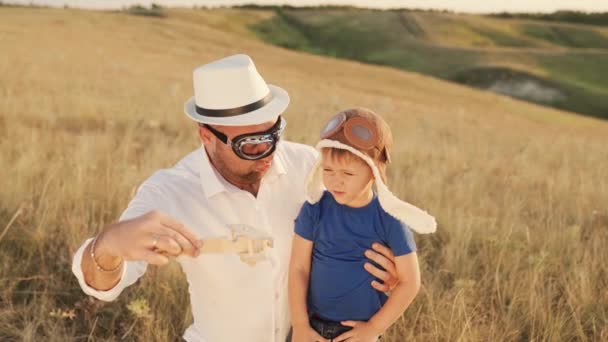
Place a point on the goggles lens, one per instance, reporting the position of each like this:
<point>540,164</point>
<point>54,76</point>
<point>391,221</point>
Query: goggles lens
<point>358,131</point>
<point>255,149</point>
<point>333,125</point>
<point>361,132</point>
<point>254,146</point>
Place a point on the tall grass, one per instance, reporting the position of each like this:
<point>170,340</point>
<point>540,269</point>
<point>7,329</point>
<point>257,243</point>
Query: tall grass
<point>519,191</point>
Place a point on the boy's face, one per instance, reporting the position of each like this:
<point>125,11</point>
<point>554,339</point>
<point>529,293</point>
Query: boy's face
<point>349,180</point>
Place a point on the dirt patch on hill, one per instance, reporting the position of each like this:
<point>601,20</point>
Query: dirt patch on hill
<point>515,83</point>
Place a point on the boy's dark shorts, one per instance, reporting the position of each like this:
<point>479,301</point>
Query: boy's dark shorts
<point>327,329</point>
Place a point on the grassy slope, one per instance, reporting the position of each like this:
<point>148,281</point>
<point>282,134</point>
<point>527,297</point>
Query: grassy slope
<point>90,105</point>
<point>572,58</point>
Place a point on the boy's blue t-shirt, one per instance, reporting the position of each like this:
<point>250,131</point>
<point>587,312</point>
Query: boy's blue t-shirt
<point>340,288</point>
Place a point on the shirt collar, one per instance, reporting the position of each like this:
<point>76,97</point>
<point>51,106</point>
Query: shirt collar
<point>277,168</point>
<point>210,179</point>
<point>213,183</point>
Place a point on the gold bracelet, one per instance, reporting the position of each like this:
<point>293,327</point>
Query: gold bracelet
<point>95,261</point>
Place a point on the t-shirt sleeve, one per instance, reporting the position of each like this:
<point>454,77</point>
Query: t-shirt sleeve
<point>399,237</point>
<point>307,220</point>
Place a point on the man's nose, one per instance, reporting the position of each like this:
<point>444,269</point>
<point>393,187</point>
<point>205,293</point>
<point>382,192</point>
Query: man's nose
<point>259,149</point>
<point>268,158</point>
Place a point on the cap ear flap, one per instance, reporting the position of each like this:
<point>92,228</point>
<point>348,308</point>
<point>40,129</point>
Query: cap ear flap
<point>386,155</point>
<point>382,170</point>
<point>314,182</point>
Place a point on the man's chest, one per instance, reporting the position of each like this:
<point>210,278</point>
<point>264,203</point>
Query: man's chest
<point>231,214</point>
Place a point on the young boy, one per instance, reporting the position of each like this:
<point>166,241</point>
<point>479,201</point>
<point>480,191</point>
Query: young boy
<point>330,293</point>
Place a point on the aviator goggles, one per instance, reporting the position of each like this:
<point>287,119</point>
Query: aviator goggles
<point>253,146</point>
<point>359,132</point>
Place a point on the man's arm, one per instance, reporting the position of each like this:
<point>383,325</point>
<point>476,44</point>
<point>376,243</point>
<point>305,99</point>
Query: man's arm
<point>401,297</point>
<point>384,257</point>
<point>113,266</point>
<point>128,247</point>
<point>128,274</point>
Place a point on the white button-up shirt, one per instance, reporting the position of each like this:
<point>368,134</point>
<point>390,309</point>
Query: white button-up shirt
<point>231,301</point>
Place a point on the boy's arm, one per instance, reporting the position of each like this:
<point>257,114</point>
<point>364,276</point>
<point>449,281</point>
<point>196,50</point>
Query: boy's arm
<point>401,297</point>
<point>299,274</point>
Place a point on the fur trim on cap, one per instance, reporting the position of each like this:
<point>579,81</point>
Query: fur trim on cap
<point>415,218</point>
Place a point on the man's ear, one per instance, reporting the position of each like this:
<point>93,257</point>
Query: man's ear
<point>204,134</point>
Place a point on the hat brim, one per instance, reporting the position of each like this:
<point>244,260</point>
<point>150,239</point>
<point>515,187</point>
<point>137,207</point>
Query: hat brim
<point>278,104</point>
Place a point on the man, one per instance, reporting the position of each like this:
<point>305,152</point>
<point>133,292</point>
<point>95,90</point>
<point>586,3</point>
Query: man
<point>240,177</point>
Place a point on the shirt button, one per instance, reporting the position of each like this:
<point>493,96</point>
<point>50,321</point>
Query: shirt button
<point>276,295</point>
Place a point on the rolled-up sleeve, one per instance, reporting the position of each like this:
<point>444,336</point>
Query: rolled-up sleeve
<point>132,270</point>
<point>147,198</point>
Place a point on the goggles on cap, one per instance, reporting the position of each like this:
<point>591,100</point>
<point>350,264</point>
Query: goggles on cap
<point>359,132</point>
<point>253,146</point>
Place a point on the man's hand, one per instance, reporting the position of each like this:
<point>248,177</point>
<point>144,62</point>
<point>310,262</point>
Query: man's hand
<point>306,333</point>
<point>384,257</point>
<point>361,332</point>
<point>150,237</point>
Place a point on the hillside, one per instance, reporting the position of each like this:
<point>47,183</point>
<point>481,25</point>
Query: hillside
<point>562,65</point>
<point>91,105</point>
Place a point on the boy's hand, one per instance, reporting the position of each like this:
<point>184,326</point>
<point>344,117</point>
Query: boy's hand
<point>306,334</point>
<point>384,257</point>
<point>361,332</point>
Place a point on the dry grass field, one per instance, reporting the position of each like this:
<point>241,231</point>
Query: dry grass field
<point>91,104</point>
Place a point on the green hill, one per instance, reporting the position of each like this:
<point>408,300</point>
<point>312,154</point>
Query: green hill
<point>561,16</point>
<point>562,65</point>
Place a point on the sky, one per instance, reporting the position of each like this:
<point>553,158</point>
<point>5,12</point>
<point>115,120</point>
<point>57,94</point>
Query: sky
<point>470,6</point>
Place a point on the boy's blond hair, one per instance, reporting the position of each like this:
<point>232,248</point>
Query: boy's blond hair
<point>342,155</point>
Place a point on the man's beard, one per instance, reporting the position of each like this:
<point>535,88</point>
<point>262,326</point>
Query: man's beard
<point>250,177</point>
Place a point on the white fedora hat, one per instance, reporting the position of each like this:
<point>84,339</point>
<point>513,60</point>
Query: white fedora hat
<point>231,92</point>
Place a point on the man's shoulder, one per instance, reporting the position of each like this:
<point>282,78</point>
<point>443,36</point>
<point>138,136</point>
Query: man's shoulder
<point>298,150</point>
<point>185,172</point>
<point>297,155</point>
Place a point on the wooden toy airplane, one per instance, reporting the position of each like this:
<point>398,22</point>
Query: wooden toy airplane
<point>249,243</point>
